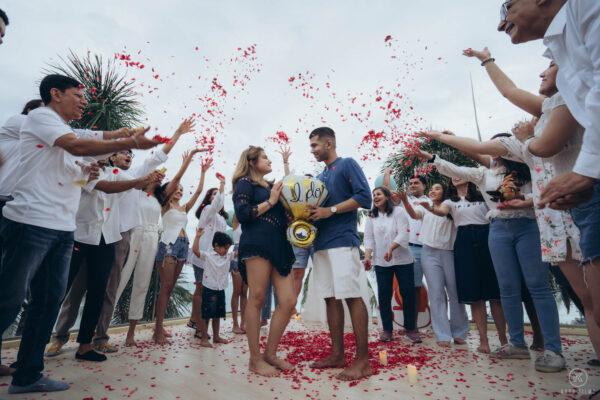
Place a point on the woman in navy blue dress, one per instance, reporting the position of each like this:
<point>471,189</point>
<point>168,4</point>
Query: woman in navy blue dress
<point>263,254</point>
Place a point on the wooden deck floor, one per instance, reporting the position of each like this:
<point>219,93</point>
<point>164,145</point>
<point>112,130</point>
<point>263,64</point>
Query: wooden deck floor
<point>184,370</point>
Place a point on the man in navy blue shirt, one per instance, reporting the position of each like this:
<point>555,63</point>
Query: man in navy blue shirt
<point>337,268</point>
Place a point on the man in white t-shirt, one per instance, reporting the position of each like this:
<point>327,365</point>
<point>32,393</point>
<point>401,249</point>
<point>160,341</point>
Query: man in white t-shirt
<point>37,226</point>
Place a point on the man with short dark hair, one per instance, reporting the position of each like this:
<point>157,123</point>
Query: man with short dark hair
<point>37,226</point>
<point>3,25</point>
<point>338,271</point>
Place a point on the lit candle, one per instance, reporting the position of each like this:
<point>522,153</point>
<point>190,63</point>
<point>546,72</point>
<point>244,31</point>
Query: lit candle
<point>383,357</point>
<point>412,373</point>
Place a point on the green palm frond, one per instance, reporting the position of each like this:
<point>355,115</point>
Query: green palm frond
<point>112,101</point>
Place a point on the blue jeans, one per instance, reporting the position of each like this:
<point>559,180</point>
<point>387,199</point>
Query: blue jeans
<point>38,259</point>
<point>515,248</point>
<point>587,219</point>
<point>385,289</point>
<point>418,271</point>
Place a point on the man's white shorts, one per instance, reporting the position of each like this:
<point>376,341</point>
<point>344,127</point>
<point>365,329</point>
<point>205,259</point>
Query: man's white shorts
<point>337,273</point>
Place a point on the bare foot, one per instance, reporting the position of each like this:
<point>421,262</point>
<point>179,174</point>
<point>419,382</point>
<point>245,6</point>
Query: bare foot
<point>358,370</point>
<point>279,363</point>
<point>130,342</point>
<point>159,338</point>
<point>205,343</point>
<point>5,370</point>
<point>238,330</point>
<point>330,361</point>
<point>443,344</point>
<point>484,348</point>
<point>219,339</point>
<point>261,367</point>
<point>167,334</point>
<point>459,341</point>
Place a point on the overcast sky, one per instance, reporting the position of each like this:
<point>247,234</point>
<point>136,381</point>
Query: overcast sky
<point>341,42</point>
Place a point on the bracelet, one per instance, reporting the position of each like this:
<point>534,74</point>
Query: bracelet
<point>135,141</point>
<point>491,59</point>
<point>269,203</point>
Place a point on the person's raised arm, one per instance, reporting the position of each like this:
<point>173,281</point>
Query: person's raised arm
<point>471,174</point>
<point>523,99</point>
<point>442,210</point>
<point>466,144</point>
<point>196,245</point>
<point>482,159</point>
<point>185,163</point>
<point>192,201</point>
<point>123,185</point>
<point>285,156</point>
<point>558,130</point>
<point>91,147</point>
<point>186,126</point>
<point>414,214</point>
<point>387,177</point>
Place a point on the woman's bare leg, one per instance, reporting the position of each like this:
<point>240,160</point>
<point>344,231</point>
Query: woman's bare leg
<point>284,287</point>
<point>130,339</point>
<point>479,314</point>
<point>169,270</point>
<point>236,278</point>
<point>499,320</point>
<point>258,271</point>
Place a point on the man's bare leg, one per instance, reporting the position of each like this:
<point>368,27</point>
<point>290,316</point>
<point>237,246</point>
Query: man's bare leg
<point>335,320</point>
<point>360,368</point>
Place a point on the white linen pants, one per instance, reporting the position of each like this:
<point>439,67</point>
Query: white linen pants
<point>438,268</point>
<point>142,253</point>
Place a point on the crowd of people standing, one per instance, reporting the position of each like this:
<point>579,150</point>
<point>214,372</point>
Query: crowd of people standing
<point>90,221</point>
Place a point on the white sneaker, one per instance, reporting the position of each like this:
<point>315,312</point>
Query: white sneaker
<point>550,362</point>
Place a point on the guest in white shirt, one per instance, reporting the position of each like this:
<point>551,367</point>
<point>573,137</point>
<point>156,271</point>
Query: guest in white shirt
<point>437,259</point>
<point>212,217</point>
<point>131,219</point>
<point>37,226</point>
<point>97,232</point>
<point>216,278</point>
<point>476,280</point>
<point>386,247</point>
<point>173,246</point>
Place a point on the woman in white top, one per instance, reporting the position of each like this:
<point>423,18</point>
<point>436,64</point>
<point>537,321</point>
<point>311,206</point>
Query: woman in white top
<point>550,151</point>
<point>239,295</point>
<point>212,218</point>
<point>437,260</point>
<point>476,280</point>
<point>173,246</point>
<point>386,247</point>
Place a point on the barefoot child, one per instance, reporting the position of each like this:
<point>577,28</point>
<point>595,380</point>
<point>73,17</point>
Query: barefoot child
<point>215,280</point>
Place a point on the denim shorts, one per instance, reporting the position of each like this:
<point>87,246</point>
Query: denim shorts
<point>302,254</point>
<point>177,250</point>
<point>198,273</point>
<point>587,219</point>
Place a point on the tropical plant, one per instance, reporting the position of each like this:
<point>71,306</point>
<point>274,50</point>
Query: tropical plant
<point>112,101</point>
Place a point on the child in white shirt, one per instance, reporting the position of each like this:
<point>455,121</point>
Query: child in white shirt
<point>215,280</point>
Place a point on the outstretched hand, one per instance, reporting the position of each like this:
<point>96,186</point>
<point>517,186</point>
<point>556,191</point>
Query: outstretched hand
<point>481,55</point>
<point>186,126</point>
<point>285,153</point>
<point>428,134</point>
<point>141,141</point>
<point>206,166</point>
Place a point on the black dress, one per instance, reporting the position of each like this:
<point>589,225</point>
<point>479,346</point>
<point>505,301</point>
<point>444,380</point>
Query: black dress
<point>265,235</point>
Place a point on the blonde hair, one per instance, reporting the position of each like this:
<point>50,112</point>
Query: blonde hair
<point>245,169</point>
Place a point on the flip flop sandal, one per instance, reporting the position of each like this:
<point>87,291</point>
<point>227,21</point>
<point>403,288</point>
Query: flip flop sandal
<point>191,324</point>
<point>197,335</point>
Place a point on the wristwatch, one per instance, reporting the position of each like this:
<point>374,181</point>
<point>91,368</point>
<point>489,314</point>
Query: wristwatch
<point>333,209</point>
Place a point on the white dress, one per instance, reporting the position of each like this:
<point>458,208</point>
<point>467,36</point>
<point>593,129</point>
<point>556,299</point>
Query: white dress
<point>556,226</point>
